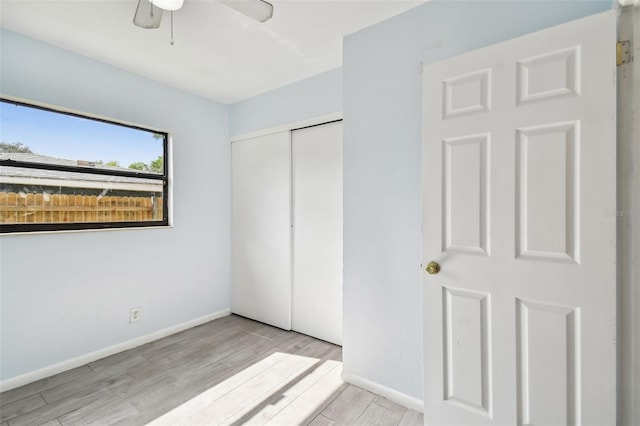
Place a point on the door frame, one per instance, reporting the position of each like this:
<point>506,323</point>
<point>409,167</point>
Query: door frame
<point>628,219</point>
<point>287,127</point>
<point>284,128</point>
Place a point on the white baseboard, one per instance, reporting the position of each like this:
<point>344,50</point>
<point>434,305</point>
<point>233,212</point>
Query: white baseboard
<point>81,360</point>
<point>390,394</point>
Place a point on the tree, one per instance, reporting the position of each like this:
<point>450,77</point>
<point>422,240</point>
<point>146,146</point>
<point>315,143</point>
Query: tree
<point>15,147</point>
<point>157,165</point>
<point>139,165</point>
<point>112,163</point>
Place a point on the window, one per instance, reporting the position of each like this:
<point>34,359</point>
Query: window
<point>66,171</point>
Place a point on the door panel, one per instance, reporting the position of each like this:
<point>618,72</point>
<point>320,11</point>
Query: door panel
<point>518,171</point>
<point>465,194</point>
<point>549,75</point>
<point>261,231</point>
<point>317,235</point>
<point>467,336</point>
<point>547,178</point>
<point>467,94</point>
<point>547,341</point>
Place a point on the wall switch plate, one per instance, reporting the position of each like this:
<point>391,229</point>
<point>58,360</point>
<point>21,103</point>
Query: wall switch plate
<point>134,315</point>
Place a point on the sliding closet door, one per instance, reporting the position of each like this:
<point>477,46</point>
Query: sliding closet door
<point>317,235</point>
<point>261,232</point>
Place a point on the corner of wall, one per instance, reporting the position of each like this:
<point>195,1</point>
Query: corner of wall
<point>391,394</point>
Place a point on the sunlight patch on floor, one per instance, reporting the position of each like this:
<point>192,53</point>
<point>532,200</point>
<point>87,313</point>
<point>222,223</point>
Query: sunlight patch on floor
<point>280,389</point>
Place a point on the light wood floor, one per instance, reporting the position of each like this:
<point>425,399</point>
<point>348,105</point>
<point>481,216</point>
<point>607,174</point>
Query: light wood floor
<point>230,371</point>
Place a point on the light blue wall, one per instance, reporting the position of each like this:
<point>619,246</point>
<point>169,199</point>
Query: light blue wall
<point>67,294</point>
<point>382,150</point>
<point>314,97</point>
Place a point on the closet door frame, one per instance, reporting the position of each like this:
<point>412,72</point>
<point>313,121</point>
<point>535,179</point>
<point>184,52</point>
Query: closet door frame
<point>240,305</point>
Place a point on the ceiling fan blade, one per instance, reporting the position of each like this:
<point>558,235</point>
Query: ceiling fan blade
<point>259,10</point>
<point>147,15</point>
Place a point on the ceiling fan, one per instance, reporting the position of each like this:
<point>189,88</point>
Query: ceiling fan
<point>149,12</point>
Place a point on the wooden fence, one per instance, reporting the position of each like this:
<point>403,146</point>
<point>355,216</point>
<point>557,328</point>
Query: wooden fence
<point>61,208</point>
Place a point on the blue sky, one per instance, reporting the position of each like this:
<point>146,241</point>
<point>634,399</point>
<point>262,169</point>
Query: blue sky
<point>74,138</point>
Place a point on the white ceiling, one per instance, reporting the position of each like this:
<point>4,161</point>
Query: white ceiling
<point>218,53</point>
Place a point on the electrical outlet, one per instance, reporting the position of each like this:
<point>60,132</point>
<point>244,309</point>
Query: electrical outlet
<point>134,315</point>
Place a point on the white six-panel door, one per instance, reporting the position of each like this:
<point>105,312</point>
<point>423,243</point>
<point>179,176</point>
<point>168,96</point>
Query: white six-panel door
<point>518,172</point>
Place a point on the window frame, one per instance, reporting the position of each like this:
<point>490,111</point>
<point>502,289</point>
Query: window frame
<point>13,228</point>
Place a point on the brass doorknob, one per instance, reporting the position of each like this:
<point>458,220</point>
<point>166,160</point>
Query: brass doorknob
<point>433,268</point>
